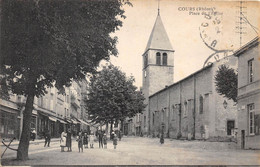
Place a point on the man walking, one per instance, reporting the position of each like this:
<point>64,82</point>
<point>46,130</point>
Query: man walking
<point>68,140</point>
<point>100,138</point>
<point>47,138</point>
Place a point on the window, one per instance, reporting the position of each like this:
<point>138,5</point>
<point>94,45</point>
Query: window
<point>158,58</point>
<point>250,71</point>
<point>144,121</point>
<point>11,124</point>
<point>19,99</point>
<point>251,119</point>
<point>185,108</point>
<point>173,109</point>
<point>201,105</point>
<point>153,118</point>
<point>165,59</point>
<point>40,101</point>
<point>67,98</point>
<point>2,125</point>
<point>163,115</point>
<point>145,60</point>
<point>51,104</point>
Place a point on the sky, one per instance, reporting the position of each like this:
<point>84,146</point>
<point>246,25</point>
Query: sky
<point>183,23</point>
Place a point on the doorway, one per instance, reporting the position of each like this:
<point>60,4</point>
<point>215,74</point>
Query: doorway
<point>230,126</point>
<point>243,139</point>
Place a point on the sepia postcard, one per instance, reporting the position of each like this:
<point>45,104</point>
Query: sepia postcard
<point>177,84</point>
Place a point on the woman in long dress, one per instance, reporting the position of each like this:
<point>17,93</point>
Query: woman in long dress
<point>91,140</point>
<point>63,140</point>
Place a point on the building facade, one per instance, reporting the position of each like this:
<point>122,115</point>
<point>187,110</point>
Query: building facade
<point>249,95</point>
<point>52,112</point>
<point>192,109</point>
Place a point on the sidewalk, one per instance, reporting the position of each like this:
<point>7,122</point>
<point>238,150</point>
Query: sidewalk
<point>36,141</point>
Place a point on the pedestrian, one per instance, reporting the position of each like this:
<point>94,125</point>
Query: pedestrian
<point>63,140</point>
<point>85,140</point>
<point>47,137</point>
<point>80,141</point>
<point>33,134</point>
<point>115,141</point>
<point>105,140</point>
<point>68,140</point>
<point>112,135</point>
<point>119,135</point>
<point>162,139</point>
<point>91,140</point>
<point>100,139</point>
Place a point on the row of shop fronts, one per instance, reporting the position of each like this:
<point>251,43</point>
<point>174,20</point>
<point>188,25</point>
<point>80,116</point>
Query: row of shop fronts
<point>12,120</point>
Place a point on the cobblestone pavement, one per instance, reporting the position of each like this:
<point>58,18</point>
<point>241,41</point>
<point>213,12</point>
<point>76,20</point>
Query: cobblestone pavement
<point>139,151</point>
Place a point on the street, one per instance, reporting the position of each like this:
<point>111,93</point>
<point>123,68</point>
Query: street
<point>139,151</point>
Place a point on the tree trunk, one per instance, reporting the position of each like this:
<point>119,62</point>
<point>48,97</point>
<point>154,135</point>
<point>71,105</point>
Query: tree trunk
<point>22,153</point>
<point>122,125</point>
<point>111,128</point>
<point>106,128</point>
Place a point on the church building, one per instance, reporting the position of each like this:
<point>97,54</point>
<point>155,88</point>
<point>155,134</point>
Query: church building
<point>189,108</point>
<point>157,66</point>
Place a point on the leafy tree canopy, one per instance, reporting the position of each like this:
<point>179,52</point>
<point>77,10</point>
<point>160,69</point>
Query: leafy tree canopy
<point>112,96</point>
<point>226,82</point>
<point>43,41</point>
<point>46,42</point>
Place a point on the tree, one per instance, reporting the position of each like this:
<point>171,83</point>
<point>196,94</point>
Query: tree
<point>113,97</point>
<point>226,82</point>
<point>47,43</point>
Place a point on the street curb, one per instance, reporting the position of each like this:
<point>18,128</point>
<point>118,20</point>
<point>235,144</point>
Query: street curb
<point>16,143</point>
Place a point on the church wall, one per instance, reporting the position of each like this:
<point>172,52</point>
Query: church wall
<point>181,93</point>
<point>203,82</point>
<point>222,114</point>
<point>187,95</point>
<point>174,110</point>
<point>208,124</point>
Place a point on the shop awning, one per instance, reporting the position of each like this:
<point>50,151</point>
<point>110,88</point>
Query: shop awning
<point>53,119</point>
<point>83,122</point>
<point>68,121</point>
<point>61,121</point>
<point>74,121</point>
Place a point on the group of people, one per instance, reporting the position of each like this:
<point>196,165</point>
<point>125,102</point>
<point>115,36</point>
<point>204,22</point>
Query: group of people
<point>84,140</point>
<point>65,140</point>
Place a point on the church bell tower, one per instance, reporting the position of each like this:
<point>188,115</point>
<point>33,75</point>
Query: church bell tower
<point>158,67</point>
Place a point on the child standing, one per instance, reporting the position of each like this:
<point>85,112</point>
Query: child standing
<point>91,140</point>
<point>85,140</point>
<point>80,141</point>
<point>115,141</point>
<point>105,140</point>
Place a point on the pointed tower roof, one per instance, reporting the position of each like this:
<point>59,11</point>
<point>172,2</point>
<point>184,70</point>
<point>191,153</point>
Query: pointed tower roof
<point>158,37</point>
